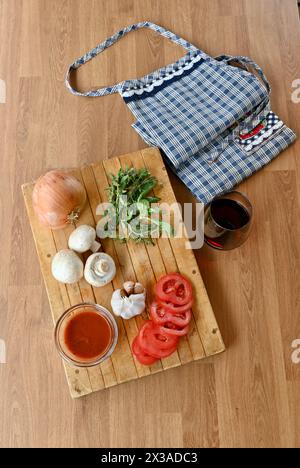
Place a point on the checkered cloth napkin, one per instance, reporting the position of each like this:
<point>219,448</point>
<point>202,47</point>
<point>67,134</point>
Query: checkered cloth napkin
<point>212,120</point>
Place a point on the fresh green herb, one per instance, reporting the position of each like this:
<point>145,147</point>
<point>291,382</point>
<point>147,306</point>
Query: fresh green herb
<point>133,214</point>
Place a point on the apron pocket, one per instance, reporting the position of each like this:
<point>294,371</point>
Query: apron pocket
<point>206,180</point>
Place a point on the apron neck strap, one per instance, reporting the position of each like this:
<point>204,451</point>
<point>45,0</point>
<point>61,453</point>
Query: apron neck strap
<point>110,41</point>
<point>246,62</point>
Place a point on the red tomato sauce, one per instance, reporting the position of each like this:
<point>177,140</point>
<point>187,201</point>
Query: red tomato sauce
<point>88,335</point>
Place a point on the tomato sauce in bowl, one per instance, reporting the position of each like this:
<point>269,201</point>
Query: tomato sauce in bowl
<point>86,334</point>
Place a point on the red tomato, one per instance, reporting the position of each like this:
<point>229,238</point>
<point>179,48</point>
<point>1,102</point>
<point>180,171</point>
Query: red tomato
<point>160,315</point>
<point>142,357</point>
<point>175,309</point>
<point>174,288</point>
<point>173,330</point>
<point>154,341</point>
<point>163,353</point>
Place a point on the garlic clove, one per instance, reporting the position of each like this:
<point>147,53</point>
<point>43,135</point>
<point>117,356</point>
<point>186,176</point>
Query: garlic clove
<point>138,288</point>
<point>129,287</point>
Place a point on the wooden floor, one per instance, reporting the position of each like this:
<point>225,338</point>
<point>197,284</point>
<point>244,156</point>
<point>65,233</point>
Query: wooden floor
<point>250,395</point>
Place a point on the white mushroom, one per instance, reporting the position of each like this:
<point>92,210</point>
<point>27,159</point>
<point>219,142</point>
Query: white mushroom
<point>83,239</point>
<point>67,267</point>
<point>99,269</point>
<point>128,305</point>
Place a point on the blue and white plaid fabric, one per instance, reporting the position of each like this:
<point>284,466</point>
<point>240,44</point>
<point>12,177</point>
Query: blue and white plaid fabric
<point>203,113</point>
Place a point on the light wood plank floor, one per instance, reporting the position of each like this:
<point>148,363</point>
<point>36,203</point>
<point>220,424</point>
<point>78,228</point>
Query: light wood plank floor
<point>248,396</point>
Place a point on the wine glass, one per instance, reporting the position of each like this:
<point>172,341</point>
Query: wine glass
<point>228,221</point>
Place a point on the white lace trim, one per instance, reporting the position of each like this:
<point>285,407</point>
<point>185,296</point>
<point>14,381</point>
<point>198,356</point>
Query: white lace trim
<point>158,82</point>
<point>263,136</point>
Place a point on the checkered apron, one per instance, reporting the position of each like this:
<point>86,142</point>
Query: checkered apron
<point>212,120</point>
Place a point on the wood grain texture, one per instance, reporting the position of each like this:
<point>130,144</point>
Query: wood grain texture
<point>145,263</point>
<point>248,396</point>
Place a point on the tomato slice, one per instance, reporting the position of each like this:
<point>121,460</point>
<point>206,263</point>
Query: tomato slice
<point>160,315</point>
<point>174,288</point>
<point>163,353</point>
<point>141,356</point>
<point>173,330</point>
<point>175,309</point>
<point>153,334</point>
<point>153,340</point>
<point>181,320</point>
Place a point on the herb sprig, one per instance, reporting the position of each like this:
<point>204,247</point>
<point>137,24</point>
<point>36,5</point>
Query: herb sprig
<point>134,215</point>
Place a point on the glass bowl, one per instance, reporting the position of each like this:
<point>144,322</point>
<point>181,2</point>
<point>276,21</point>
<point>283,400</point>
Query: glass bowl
<point>60,335</point>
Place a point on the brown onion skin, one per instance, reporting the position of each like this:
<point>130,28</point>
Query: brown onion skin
<point>55,196</point>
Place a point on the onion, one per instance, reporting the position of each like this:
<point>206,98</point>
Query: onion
<point>58,199</point>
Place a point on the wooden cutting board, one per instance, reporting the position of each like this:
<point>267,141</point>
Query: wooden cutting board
<point>145,263</point>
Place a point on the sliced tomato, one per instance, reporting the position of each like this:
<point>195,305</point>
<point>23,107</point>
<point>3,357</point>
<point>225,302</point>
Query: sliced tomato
<point>175,309</point>
<point>145,359</point>
<point>154,341</point>
<point>160,315</point>
<point>174,288</point>
<point>173,330</point>
<point>152,333</point>
<point>163,353</point>
<point>181,320</point>
<point>141,356</point>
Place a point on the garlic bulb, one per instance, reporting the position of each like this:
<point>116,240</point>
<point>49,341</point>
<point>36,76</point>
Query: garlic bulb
<point>67,267</point>
<point>83,239</point>
<point>99,269</point>
<point>58,198</point>
<point>128,305</point>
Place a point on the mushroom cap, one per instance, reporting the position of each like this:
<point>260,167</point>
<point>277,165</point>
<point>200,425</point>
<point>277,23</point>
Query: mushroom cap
<point>67,267</point>
<point>90,270</point>
<point>82,238</point>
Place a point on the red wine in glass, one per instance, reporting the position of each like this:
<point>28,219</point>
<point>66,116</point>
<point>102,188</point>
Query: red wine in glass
<point>227,221</point>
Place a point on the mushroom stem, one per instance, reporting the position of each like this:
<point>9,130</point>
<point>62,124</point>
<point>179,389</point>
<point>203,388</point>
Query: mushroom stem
<point>101,267</point>
<point>95,246</point>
